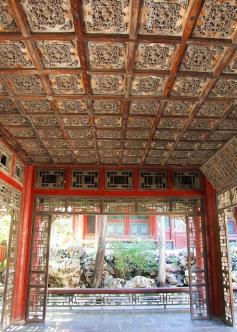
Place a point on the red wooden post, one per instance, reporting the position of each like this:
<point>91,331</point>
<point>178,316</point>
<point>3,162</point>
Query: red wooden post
<point>21,281</point>
<point>213,252</point>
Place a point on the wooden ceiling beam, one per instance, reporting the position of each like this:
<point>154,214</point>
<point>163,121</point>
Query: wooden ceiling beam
<point>230,43</point>
<point>194,10</point>
<point>23,113</point>
<point>76,7</point>
<point>218,70</point>
<point>22,23</point>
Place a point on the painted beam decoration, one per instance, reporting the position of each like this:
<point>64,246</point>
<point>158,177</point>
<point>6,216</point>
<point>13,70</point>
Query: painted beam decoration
<point>221,169</point>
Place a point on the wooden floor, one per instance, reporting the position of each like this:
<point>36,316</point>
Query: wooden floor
<point>123,320</point>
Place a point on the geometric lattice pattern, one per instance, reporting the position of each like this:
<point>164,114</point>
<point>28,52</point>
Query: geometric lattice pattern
<point>10,200</point>
<point>226,268</point>
<point>197,268</point>
<point>123,206</point>
<point>118,82</point>
<point>38,269</point>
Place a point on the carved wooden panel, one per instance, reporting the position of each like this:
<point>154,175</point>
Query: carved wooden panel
<point>104,55</point>
<point>217,19</point>
<point>106,107</point>
<point>155,56</point>
<point>67,84</point>
<point>7,106</point>
<point>107,84</point>
<point>143,107</point>
<point>148,85</point>
<point>14,54</point>
<point>188,86</point>
<point>72,106</point>
<point>58,54</point>
<point>224,88</point>
<point>36,106</point>
<point>82,72</point>
<point>201,58</point>
<point>221,168</point>
<point>25,84</point>
<point>116,13</point>
<point>48,15</point>
<point>7,21</point>
<point>162,17</point>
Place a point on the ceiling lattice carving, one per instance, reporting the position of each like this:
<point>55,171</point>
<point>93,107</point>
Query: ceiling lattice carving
<point>118,82</point>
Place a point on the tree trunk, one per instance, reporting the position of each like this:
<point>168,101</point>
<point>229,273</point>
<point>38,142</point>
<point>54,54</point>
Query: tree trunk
<point>161,243</point>
<point>99,262</point>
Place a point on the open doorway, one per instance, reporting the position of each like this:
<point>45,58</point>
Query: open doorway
<point>119,260</point>
<point>118,216</point>
<point>133,249</point>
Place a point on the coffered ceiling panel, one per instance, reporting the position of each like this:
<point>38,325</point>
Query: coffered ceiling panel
<point>59,54</point>
<point>122,82</point>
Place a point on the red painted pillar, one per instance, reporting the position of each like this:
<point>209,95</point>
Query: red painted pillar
<point>213,252</point>
<point>22,268</point>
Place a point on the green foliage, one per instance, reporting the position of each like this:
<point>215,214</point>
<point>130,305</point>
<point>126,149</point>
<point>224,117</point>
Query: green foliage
<point>134,258</point>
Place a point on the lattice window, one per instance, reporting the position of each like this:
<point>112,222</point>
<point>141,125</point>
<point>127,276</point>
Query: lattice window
<point>38,269</point>
<point>139,229</point>
<point>187,180</point>
<point>9,197</point>
<point>127,206</point>
<point>84,206</point>
<point>50,204</point>
<point>153,205</point>
<point>153,180</point>
<point>119,180</point>
<point>51,178</point>
<point>234,195</point>
<point>197,270</point>
<point>85,179</point>
<point>191,205</point>
<point>226,268</point>
<point>115,228</point>
<point>19,171</point>
<point>224,200</point>
<point>5,159</point>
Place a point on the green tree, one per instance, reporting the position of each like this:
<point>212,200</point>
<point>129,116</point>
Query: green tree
<point>137,257</point>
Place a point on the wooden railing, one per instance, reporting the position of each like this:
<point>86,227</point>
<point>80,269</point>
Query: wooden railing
<point>78,297</point>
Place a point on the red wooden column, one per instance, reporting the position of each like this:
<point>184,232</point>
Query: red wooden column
<point>213,252</point>
<point>22,268</point>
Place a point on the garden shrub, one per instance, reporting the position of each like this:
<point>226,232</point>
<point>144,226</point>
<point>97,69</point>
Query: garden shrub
<point>135,258</point>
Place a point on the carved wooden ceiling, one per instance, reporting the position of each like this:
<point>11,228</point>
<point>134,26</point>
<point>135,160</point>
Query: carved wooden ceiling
<point>118,82</point>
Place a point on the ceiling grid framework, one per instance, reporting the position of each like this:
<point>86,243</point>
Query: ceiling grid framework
<point>128,82</point>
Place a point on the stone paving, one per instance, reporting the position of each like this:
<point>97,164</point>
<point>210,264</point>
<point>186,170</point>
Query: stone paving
<point>123,320</point>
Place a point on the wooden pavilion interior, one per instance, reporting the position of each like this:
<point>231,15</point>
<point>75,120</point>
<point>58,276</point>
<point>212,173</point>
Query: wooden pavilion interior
<point>97,94</point>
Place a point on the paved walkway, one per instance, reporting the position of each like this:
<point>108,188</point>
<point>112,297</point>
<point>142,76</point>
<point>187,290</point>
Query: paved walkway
<point>123,320</point>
